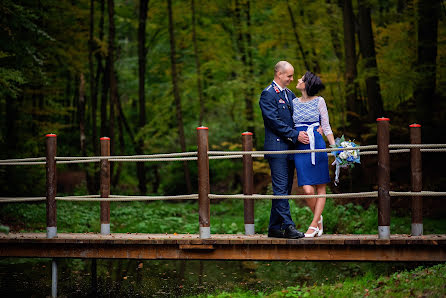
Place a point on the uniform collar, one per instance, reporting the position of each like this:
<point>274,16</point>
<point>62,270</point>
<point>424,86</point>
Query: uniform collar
<point>278,86</point>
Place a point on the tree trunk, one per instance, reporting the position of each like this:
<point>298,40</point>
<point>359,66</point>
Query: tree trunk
<point>67,101</point>
<point>351,87</point>
<point>176,93</point>
<point>241,74</point>
<point>120,119</point>
<point>337,47</point>
<point>197,65</point>
<point>93,89</point>
<point>10,143</point>
<point>105,77</point>
<point>424,94</point>
<point>296,35</point>
<point>75,112</point>
<point>367,46</point>
<point>250,94</point>
<point>81,111</point>
<point>112,78</point>
<point>142,52</point>
<point>104,99</point>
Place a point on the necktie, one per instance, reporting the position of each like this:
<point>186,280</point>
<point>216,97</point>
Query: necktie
<point>286,96</point>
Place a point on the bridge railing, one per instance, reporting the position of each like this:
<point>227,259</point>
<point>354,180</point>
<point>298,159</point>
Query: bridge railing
<point>203,155</point>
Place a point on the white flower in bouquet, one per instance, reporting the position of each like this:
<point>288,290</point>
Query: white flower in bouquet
<point>343,155</point>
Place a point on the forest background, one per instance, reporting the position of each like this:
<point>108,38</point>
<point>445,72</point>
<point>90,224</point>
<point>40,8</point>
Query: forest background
<point>147,73</point>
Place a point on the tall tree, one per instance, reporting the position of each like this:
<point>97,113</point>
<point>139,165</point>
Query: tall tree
<point>353,111</point>
<point>296,36</point>
<point>93,89</point>
<point>250,63</point>
<point>367,46</point>
<point>242,23</point>
<point>93,181</point>
<point>142,52</point>
<point>105,77</point>
<point>197,65</point>
<point>112,77</point>
<point>176,94</point>
<point>426,65</point>
<point>81,110</point>
<point>337,46</point>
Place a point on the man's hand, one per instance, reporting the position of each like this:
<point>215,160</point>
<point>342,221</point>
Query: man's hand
<point>319,130</point>
<point>303,137</point>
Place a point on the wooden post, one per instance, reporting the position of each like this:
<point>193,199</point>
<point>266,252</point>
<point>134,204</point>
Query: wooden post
<point>417,180</point>
<point>383,178</point>
<point>105,186</point>
<point>203,183</point>
<point>248,183</point>
<point>51,186</point>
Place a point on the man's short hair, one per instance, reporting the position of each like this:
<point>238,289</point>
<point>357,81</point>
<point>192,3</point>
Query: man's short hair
<point>281,66</point>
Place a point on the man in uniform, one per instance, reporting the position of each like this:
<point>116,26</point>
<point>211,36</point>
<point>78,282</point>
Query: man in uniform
<point>277,111</point>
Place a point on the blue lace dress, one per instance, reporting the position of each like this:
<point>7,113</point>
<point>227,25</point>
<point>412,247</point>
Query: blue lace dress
<point>312,168</point>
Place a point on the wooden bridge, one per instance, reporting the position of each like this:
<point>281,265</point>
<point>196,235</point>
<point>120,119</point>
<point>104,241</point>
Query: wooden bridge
<point>225,247</point>
<point>380,247</point>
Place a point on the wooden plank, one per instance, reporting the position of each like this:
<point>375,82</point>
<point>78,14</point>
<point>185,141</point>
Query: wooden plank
<point>193,246</point>
<point>328,252</point>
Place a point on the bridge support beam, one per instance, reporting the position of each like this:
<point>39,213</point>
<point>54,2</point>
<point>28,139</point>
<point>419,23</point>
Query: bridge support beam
<point>51,186</point>
<point>203,183</point>
<point>105,186</point>
<point>417,180</point>
<point>383,178</point>
<point>226,247</point>
<point>54,278</point>
<point>248,183</point>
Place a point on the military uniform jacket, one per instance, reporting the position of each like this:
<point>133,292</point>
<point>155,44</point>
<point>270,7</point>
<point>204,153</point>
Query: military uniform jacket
<point>277,115</point>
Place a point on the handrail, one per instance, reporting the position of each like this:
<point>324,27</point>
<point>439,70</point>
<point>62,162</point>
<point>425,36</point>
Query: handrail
<point>203,155</point>
<point>405,148</point>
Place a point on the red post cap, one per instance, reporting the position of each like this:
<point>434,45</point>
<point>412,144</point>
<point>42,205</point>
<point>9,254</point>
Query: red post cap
<point>51,135</point>
<point>105,139</point>
<point>247,133</point>
<point>415,125</point>
<point>202,127</point>
<point>382,119</point>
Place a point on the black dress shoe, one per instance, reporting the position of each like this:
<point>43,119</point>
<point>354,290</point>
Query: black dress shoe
<point>275,233</point>
<point>292,233</point>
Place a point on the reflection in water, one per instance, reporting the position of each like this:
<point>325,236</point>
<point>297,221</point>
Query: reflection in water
<point>146,278</point>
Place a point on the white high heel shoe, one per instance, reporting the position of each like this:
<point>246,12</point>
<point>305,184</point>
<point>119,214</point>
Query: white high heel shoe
<point>312,235</point>
<point>321,230</point>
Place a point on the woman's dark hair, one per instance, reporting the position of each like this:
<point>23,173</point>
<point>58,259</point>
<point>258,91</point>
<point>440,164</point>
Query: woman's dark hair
<point>313,83</point>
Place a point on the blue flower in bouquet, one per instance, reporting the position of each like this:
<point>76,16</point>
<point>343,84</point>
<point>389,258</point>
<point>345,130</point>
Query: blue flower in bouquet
<point>345,158</point>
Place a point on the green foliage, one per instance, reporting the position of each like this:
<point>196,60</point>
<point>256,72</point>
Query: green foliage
<point>422,281</point>
<point>182,217</point>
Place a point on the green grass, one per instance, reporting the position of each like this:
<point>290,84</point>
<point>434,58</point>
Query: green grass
<point>182,217</point>
<point>420,282</point>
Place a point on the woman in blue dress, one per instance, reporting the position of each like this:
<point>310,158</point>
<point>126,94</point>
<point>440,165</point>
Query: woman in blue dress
<point>310,112</point>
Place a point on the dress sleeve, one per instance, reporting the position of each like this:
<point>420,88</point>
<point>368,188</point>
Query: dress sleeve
<point>325,122</point>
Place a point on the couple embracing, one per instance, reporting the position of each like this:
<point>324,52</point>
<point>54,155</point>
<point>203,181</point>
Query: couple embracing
<point>293,123</point>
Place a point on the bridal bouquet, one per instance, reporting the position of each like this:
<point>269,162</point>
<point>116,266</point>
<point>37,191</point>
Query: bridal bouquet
<point>345,158</point>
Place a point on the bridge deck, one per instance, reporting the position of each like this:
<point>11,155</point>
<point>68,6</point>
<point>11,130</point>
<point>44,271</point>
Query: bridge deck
<point>228,247</point>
